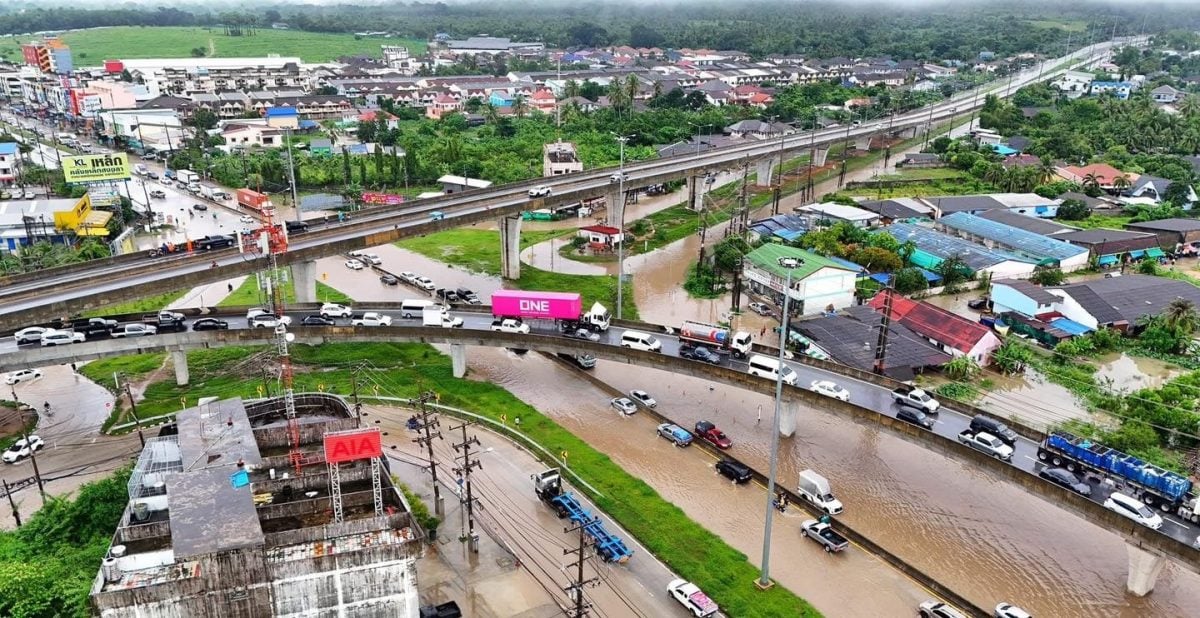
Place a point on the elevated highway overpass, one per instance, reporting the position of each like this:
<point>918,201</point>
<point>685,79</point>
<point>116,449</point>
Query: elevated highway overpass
<point>870,402</point>
<point>56,292</point>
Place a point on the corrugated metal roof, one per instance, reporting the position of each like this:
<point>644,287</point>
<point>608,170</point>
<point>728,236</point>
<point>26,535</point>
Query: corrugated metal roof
<point>942,246</point>
<point>767,258</point>
<point>931,321</point>
<point>1016,240</point>
<point>851,340</point>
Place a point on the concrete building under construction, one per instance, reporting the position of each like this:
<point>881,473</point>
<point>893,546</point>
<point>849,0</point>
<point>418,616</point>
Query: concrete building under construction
<point>228,519</point>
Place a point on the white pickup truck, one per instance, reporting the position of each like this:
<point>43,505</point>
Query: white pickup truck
<point>690,596</point>
<point>917,398</point>
<point>370,318</point>
<point>986,443</point>
<point>510,325</point>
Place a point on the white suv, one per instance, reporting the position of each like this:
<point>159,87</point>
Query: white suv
<point>1133,508</point>
<point>334,310</point>
<point>61,337</point>
<point>540,191</point>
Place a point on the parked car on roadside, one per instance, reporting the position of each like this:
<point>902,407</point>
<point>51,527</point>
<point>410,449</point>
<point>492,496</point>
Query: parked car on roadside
<point>676,434</point>
<point>22,375</point>
<point>643,398</point>
<point>1065,478</point>
<point>623,405</point>
<point>829,388</point>
<point>210,324</point>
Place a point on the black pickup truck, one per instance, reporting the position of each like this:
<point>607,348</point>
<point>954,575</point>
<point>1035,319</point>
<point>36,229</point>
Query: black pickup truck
<point>166,321</point>
<point>92,328</point>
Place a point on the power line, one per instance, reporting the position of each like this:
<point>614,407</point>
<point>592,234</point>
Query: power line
<point>576,588</point>
<point>464,472</point>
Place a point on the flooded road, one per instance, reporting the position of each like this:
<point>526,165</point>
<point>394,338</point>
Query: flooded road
<point>985,538</point>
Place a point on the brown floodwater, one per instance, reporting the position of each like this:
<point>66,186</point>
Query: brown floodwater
<point>983,537</point>
<point>1127,373</point>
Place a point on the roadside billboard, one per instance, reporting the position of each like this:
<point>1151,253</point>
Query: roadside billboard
<point>382,199</point>
<point>353,445</point>
<point>96,168</point>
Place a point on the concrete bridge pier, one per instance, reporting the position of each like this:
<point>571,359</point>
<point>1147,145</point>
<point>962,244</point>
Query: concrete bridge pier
<point>764,169</point>
<point>787,417</point>
<point>615,217</point>
<point>510,247</point>
<point>863,143</point>
<point>696,189</point>
<point>304,278</point>
<point>458,359</point>
<point>179,359</point>
<point>818,156</point>
<point>1144,568</point>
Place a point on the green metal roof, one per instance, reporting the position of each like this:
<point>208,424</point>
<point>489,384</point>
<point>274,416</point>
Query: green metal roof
<point>767,258</point>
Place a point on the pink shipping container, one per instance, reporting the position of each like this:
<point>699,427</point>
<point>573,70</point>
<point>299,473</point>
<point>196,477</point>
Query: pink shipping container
<point>544,305</point>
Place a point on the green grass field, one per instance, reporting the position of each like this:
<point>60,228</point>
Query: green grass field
<point>92,47</point>
<point>479,251</point>
<point>248,294</point>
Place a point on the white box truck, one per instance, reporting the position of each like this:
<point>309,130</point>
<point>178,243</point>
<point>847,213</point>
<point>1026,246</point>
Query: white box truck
<point>437,315</point>
<point>815,489</point>
<point>187,177</point>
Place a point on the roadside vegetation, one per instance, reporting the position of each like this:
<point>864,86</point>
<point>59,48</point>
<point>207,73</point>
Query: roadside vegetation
<point>406,370</point>
<point>149,304</point>
<point>248,294</point>
<point>47,566</point>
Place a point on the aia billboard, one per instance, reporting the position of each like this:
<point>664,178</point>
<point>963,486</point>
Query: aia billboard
<point>353,445</point>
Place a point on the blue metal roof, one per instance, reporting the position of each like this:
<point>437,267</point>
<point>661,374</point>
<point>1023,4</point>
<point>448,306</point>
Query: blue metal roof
<point>8,148</point>
<point>943,246</point>
<point>281,111</point>
<point>1003,150</point>
<point>1014,239</point>
<point>308,124</point>
<point>1069,326</point>
<point>848,264</point>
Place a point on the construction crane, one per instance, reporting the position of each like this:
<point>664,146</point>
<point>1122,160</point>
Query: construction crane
<point>272,241</point>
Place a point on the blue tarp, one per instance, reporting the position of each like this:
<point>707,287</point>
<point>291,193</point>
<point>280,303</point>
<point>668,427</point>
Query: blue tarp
<point>1105,260</point>
<point>1003,150</point>
<point>1069,326</point>
<point>1136,255</point>
<point>308,124</point>
<point>930,276</point>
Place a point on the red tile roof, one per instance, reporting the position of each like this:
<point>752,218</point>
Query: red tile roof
<point>601,229</point>
<point>1105,174</point>
<point>932,321</point>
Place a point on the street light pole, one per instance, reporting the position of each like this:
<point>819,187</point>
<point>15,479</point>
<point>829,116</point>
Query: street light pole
<point>764,580</point>
<point>287,133</point>
<point>621,227</point>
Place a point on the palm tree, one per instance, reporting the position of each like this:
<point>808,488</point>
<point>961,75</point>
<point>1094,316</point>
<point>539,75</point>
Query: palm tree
<point>520,107</point>
<point>1120,183</point>
<point>1181,314</point>
<point>1046,171</point>
<point>255,180</point>
<point>1189,107</point>
<point>617,96</point>
<point>570,89</point>
<point>1091,180</point>
<point>631,89</point>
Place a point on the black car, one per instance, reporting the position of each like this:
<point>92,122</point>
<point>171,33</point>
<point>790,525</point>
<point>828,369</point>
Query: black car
<point>318,320</point>
<point>388,280</point>
<point>914,416</point>
<point>735,471</point>
<point>210,324</point>
<point>700,353</point>
<point>199,206</point>
<point>449,296</point>
<point>1065,478</point>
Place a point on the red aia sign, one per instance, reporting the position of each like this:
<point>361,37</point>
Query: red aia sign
<point>353,445</point>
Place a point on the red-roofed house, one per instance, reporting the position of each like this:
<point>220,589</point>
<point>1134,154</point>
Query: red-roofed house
<point>950,332</point>
<point>543,101</point>
<point>442,105</point>
<point>761,100</point>
<point>600,237</point>
<point>378,114</point>
<point>1105,174</point>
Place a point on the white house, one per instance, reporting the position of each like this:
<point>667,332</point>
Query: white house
<point>1166,94</point>
<point>840,212</point>
<point>1073,83</point>
<point>817,284</point>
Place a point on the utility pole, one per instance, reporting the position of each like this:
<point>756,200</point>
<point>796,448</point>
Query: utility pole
<point>32,455</point>
<point>764,582</point>
<point>133,409</point>
<point>465,471</point>
<point>354,393</point>
<point>9,492</point>
<point>576,587</point>
<point>426,427</point>
<point>622,139</point>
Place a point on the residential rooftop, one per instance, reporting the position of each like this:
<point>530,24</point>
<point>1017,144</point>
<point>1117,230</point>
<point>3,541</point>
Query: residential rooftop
<point>768,257</point>
<point>944,246</point>
<point>1015,240</point>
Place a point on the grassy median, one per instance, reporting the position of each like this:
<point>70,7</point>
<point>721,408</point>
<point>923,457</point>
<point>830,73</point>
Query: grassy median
<point>479,251</point>
<point>248,294</point>
<point>407,369</point>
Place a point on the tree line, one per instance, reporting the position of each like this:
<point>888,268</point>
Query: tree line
<point>927,31</point>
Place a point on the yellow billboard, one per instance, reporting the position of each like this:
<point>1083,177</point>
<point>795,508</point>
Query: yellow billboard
<point>96,168</point>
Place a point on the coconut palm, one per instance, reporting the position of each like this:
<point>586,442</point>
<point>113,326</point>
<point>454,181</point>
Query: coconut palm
<point>632,85</point>
<point>520,107</point>
<point>1091,180</point>
<point>1180,314</point>
<point>255,180</point>
<point>1120,183</point>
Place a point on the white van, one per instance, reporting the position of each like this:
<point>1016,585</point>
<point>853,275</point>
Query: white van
<point>640,341</point>
<point>412,308</point>
<point>767,367</point>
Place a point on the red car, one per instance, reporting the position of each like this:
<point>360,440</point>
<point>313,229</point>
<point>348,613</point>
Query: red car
<point>709,433</point>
